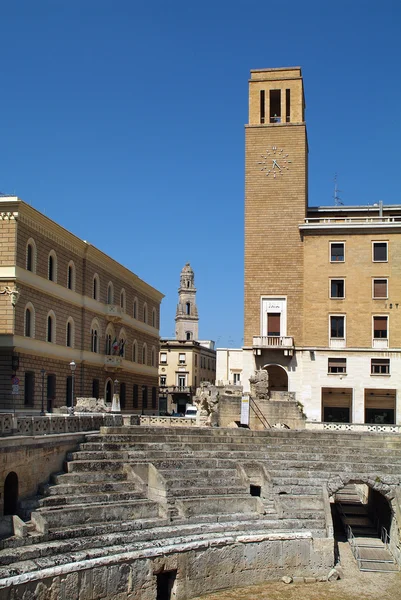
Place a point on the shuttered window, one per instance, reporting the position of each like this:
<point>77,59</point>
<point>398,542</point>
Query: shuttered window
<point>380,327</point>
<point>380,288</point>
<point>337,365</point>
<point>273,324</point>
<point>380,366</point>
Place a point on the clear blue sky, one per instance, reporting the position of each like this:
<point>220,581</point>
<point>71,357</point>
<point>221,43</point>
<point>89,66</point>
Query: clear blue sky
<point>123,121</point>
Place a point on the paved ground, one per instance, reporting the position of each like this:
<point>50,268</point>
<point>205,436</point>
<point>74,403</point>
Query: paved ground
<point>353,586</point>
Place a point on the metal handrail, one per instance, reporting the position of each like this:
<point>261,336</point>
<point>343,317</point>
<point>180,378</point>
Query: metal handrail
<point>354,546</point>
<point>259,413</point>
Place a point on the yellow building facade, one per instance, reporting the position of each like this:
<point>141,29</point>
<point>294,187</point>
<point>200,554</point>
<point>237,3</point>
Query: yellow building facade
<point>322,302</point>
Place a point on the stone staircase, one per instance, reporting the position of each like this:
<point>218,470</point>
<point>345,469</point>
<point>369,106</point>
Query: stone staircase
<point>369,549</point>
<point>133,487</point>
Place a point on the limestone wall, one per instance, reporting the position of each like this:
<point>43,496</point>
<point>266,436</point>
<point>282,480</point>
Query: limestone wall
<point>34,459</point>
<point>202,567</point>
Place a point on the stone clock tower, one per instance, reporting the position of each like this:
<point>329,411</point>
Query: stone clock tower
<point>276,159</point>
<point>186,318</point>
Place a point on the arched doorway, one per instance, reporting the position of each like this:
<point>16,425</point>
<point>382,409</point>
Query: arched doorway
<point>109,391</point>
<point>278,378</point>
<point>11,494</point>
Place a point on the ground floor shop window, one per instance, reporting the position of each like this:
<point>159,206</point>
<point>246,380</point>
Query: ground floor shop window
<point>380,406</point>
<point>337,405</point>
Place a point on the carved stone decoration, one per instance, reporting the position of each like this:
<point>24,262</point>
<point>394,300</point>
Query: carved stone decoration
<point>206,401</point>
<point>259,383</point>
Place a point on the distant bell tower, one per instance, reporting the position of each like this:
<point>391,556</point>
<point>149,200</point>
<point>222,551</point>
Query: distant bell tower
<point>186,317</point>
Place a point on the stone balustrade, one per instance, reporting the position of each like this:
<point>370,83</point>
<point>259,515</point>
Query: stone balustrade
<point>51,424</point>
<point>356,427</point>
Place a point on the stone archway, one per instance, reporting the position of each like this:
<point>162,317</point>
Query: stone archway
<point>278,378</point>
<point>108,391</point>
<point>11,494</point>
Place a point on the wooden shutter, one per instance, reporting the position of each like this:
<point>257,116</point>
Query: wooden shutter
<point>380,323</point>
<point>273,323</point>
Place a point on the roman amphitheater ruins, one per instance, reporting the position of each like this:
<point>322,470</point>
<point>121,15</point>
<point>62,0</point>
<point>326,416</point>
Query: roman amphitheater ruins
<point>171,507</point>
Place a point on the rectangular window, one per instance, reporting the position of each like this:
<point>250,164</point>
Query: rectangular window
<point>380,366</point>
<point>123,394</point>
<point>380,327</point>
<point>337,329</point>
<point>163,380</point>
<point>181,359</point>
<point>29,389</point>
<point>163,357</point>
<point>337,288</point>
<point>337,365</point>
<point>144,396</point>
<point>262,106</point>
<point>379,251</point>
<point>68,391</point>
<point>135,396</point>
<point>379,288</point>
<point>287,106</point>
<point>154,398</point>
<point>196,360</point>
<point>95,388</point>
<point>337,251</point>
<point>273,324</point>
<point>237,378</point>
<point>275,106</point>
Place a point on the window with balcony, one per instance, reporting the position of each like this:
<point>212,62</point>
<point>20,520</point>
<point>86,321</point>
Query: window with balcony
<point>379,250</point>
<point>273,324</point>
<point>380,366</point>
<point>337,252</point>
<point>181,359</point>
<point>181,380</point>
<point>380,327</point>
<point>337,288</point>
<point>337,365</point>
<point>337,326</point>
<point>379,289</point>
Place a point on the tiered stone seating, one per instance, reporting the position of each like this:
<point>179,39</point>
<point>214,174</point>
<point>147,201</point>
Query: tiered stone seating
<point>128,487</point>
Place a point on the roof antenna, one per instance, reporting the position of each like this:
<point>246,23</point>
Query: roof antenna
<point>337,199</point>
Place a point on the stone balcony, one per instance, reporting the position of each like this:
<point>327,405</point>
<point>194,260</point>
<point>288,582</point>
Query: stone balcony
<point>113,363</point>
<point>176,389</point>
<point>273,342</point>
<point>113,313</point>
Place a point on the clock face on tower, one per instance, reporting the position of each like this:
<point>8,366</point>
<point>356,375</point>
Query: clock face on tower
<point>274,162</point>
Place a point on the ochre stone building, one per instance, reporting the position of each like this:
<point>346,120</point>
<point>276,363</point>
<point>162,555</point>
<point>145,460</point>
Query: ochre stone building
<point>74,304</point>
<point>185,362</point>
<point>322,284</point>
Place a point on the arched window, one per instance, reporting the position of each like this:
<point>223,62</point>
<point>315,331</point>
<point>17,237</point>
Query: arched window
<point>71,276</point>
<point>153,317</point>
<point>188,335</point>
<point>134,352</point>
<point>31,255</point>
<point>145,313</point>
<point>144,354</point>
<point>153,357</point>
<point>188,308</point>
<point>96,287</point>
<point>187,284</point>
<point>108,391</point>
<point>122,300</point>
<point>110,293</point>
<point>51,327</point>
<point>29,321</point>
<point>70,332</point>
<point>52,266</point>
<point>110,337</point>
<point>95,336</point>
<point>135,312</point>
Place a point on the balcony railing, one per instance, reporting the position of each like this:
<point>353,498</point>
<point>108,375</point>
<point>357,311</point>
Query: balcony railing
<point>273,341</point>
<point>113,362</point>
<point>176,389</point>
<point>113,312</point>
<point>351,220</point>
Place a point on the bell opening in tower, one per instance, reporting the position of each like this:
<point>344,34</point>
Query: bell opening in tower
<point>275,106</point>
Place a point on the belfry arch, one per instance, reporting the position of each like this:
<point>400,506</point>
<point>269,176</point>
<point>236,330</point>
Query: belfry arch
<point>278,378</point>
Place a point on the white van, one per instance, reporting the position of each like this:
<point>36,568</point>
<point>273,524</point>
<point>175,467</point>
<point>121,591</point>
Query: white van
<point>190,411</point>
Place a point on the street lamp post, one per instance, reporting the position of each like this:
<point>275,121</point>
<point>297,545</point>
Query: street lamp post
<point>42,412</point>
<point>73,366</point>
